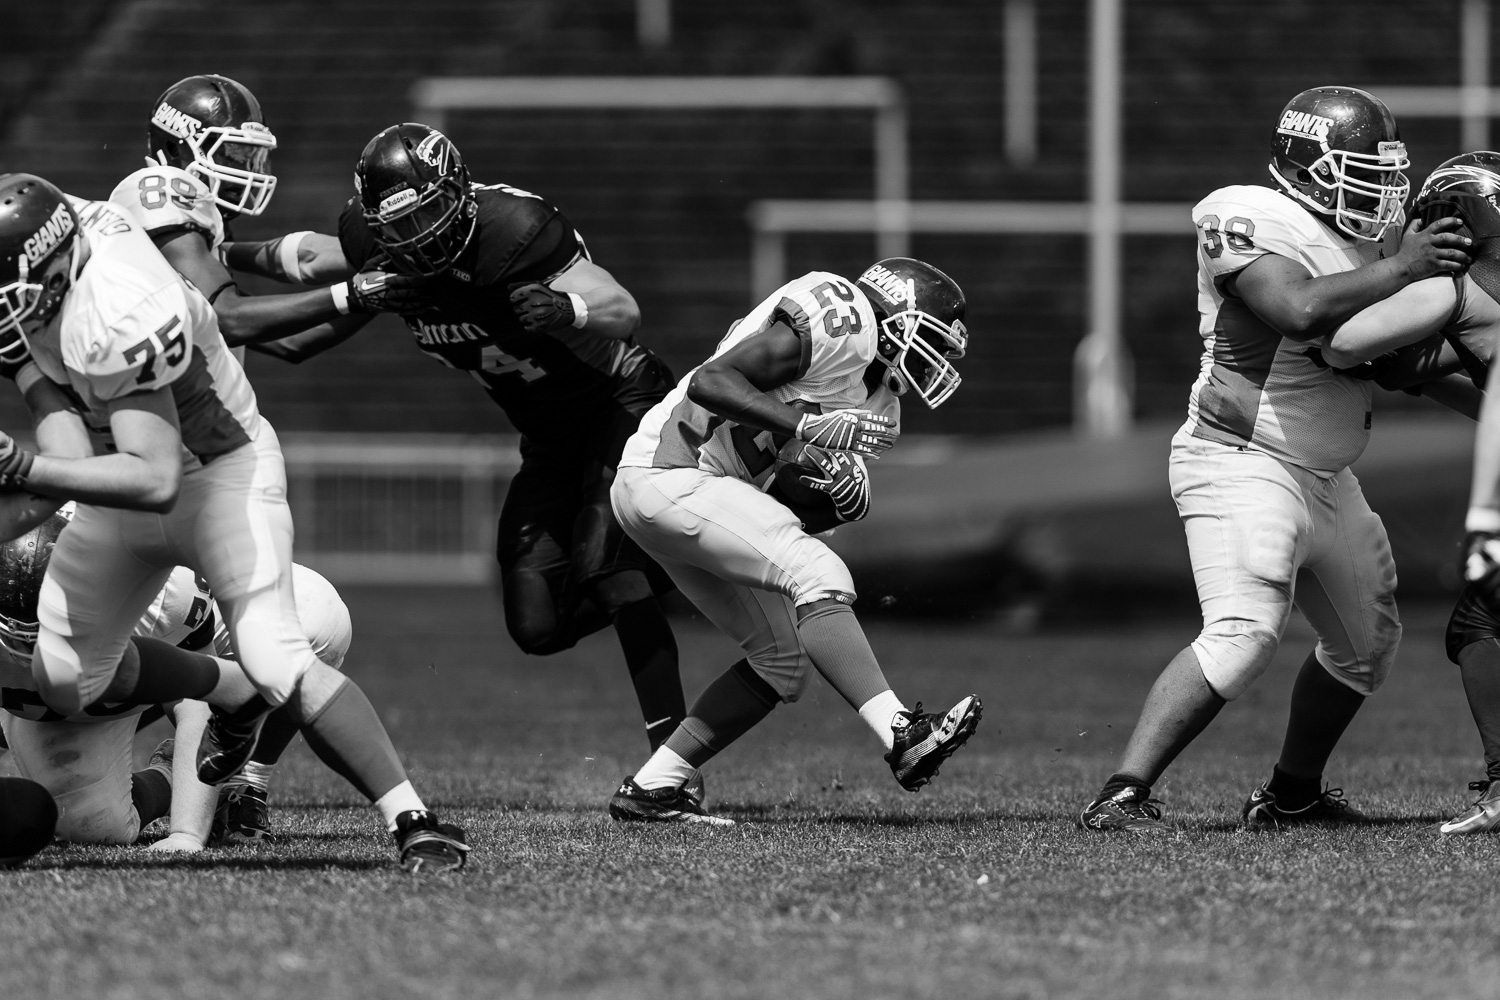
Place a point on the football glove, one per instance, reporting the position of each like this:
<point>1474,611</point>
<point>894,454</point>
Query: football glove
<point>1482,562</point>
<point>860,431</point>
<point>539,308</point>
<point>382,291</point>
<point>844,480</point>
<point>15,463</point>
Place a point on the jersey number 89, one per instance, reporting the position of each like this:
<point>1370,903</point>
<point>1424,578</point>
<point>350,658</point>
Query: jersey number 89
<point>154,193</point>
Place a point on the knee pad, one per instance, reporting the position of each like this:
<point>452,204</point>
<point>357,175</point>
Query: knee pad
<point>1364,673</point>
<point>324,616</point>
<point>1472,621</point>
<point>821,576</point>
<point>1233,653</point>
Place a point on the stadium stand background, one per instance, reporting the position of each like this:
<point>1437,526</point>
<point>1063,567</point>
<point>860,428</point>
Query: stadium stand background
<point>661,198</point>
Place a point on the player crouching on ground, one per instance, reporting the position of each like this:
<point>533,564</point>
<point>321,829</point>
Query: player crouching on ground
<point>1260,470</point>
<point>821,362</point>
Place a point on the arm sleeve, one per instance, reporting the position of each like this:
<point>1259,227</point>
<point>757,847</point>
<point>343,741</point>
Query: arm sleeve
<point>355,238</point>
<point>166,200</point>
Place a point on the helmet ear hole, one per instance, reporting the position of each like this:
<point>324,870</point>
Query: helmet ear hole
<point>1303,177</point>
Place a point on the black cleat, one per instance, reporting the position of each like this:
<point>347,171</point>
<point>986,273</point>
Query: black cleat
<point>427,846</point>
<point>1330,808</point>
<point>241,817</point>
<point>634,804</point>
<point>925,740</point>
<point>1130,810</point>
<point>229,739</point>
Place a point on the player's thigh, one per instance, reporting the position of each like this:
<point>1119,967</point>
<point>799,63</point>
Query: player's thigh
<point>760,622</point>
<point>105,570</point>
<point>1473,620</point>
<point>86,768</point>
<point>1353,605</point>
<point>728,528</point>
<point>533,538</point>
<point>1247,527</point>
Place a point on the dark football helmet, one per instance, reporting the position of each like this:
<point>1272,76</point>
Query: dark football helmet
<point>1468,186</point>
<point>414,190</point>
<point>1337,151</point>
<point>23,563</point>
<point>212,127</point>
<point>921,314</point>
<point>38,258</point>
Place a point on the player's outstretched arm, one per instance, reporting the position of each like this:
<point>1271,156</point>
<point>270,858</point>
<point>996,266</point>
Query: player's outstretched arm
<point>310,343</point>
<point>1284,294</point>
<point>145,472</point>
<point>585,296</point>
<point>1457,392</point>
<point>734,385</point>
<point>304,258</point>
<point>1412,314</point>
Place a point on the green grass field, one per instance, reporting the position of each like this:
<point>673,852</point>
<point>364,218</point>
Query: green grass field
<point>836,883</point>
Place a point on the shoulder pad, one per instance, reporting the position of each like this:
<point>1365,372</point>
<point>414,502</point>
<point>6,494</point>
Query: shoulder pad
<point>1238,224</point>
<point>834,321</point>
<point>144,347</point>
<point>163,198</point>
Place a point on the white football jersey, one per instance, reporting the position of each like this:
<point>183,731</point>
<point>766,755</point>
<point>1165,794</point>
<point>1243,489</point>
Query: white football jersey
<point>131,323</point>
<point>1256,388</point>
<point>837,328</point>
<point>165,199</point>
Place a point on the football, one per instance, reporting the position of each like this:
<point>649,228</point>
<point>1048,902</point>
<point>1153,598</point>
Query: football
<point>813,507</point>
<point>27,818</point>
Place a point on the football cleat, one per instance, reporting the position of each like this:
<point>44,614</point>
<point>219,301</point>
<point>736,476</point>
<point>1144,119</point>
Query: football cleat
<point>634,804</point>
<point>1130,810</point>
<point>161,758</point>
<point>228,741</point>
<point>696,789</point>
<point>241,817</point>
<point>1330,807</point>
<point>924,740</point>
<point>1483,815</point>
<point>427,846</point>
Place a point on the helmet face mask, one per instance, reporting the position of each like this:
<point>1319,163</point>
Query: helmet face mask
<point>415,195</point>
<point>920,311</point>
<point>211,127</point>
<point>1337,151</point>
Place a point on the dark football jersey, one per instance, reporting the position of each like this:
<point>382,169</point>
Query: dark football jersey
<point>547,383</point>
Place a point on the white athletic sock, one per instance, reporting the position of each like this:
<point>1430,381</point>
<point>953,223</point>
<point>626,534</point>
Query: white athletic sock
<point>878,713</point>
<point>256,775</point>
<point>665,769</point>
<point>402,798</point>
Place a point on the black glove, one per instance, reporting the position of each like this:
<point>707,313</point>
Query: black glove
<point>382,291</point>
<point>844,480</point>
<point>539,308</point>
<point>15,463</point>
<point>1481,566</point>
<point>1367,371</point>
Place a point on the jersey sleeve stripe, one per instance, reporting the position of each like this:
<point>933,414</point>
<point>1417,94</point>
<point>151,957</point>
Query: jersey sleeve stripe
<point>795,317</point>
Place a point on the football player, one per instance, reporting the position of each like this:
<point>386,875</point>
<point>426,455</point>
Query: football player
<point>1434,329</point>
<point>515,300</point>
<point>1260,470</point>
<point>822,361</point>
<point>208,161</point>
<point>84,760</point>
<point>120,350</point>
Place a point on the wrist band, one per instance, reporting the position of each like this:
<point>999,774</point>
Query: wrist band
<point>340,295</point>
<point>286,255</point>
<point>1483,519</point>
<point>580,309</point>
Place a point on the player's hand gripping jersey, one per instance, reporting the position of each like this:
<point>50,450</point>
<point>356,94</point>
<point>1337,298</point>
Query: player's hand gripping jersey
<point>1256,388</point>
<point>132,324</point>
<point>548,384</point>
<point>165,200</point>
<point>837,328</point>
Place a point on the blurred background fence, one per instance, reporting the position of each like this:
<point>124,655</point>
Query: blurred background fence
<point>994,100</point>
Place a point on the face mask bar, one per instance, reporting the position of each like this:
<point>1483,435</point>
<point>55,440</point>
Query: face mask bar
<point>244,189</point>
<point>423,249</point>
<point>18,300</point>
<point>935,378</point>
<point>18,638</point>
<point>1377,179</point>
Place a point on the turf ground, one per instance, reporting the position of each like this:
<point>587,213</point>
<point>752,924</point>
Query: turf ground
<point>836,883</point>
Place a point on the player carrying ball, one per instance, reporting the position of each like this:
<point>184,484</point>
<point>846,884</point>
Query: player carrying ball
<point>821,362</point>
